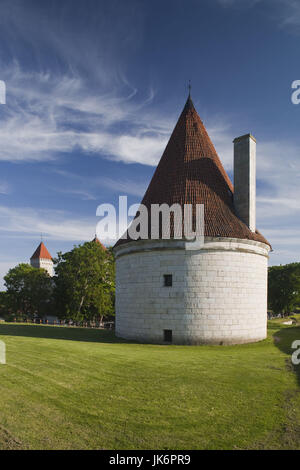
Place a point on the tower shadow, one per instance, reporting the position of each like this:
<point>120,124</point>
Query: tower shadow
<point>61,332</point>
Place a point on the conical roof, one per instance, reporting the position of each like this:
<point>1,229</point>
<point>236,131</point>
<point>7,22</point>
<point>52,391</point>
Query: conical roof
<point>41,252</point>
<point>190,172</point>
<point>96,240</point>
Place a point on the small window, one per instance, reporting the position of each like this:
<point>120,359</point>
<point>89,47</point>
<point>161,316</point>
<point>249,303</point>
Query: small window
<point>168,280</point>
<point>168,336</point>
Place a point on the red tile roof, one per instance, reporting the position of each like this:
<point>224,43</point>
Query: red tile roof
<point>41,252</point>
<point>190,172</point>
<point>96,240</point>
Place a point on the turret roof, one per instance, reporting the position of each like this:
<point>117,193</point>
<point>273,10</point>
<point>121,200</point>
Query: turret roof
<point>41,252</point>
<point>190,172</point>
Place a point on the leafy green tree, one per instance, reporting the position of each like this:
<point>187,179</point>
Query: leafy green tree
<point>284,288</point>
<point>84,283</point>
<point>28,291</point>
<point>4,311</point>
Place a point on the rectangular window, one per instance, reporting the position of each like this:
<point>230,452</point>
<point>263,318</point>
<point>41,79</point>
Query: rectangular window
<point>168,336</point>
<point>168,280</point>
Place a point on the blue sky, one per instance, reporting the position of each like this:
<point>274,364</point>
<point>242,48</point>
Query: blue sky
<point>94,89</point>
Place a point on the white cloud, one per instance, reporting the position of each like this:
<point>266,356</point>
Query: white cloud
<point>291,16</point>
<point>81,193</point>
<point>278,200</point>
<point>138,148</point>
<point>4,187</point>
<point>97,42</point>
<point>285,242</point>
<point>4,268</point>
<point>285,12</point>
<point>246,3</point>
<point>55,225</point>
<point>124,186</point>
<point>46,116</point>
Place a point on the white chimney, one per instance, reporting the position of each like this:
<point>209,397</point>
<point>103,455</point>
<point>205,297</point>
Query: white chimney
<point>245,179</point>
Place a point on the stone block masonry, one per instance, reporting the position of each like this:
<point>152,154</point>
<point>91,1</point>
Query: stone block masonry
<point>218,293</point>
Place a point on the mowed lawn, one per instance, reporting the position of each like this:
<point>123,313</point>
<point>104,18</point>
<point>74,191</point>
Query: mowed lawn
<point>67,388</point>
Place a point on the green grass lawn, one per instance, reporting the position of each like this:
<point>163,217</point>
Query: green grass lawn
<point>67,388</point>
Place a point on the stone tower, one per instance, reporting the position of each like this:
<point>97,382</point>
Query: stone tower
<point>41,258</point>
<point>174,291</point>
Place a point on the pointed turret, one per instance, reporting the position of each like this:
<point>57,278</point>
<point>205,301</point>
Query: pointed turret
<point>190,172</point>
<point>180,290</point>
<point>41,252</point>
<point>41,258</point>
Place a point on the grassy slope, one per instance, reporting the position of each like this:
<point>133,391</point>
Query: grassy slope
<point>65,388</point>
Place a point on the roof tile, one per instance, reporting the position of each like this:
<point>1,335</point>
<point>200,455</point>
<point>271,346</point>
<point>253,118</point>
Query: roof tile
<point>190,172</point>
<point>41,252</point>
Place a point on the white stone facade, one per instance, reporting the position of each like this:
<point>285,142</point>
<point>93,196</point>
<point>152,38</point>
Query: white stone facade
<point>218,293</point>
<point>44,263</point>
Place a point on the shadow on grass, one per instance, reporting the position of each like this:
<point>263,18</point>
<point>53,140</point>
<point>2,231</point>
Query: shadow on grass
<point>283,340</point>
<point>60,332</point>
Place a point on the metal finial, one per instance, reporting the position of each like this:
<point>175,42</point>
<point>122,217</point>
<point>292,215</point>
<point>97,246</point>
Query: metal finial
<point>189,87</point>
<point>41,237</point>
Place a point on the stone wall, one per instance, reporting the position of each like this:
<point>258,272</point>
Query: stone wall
<point>219,292</point>
<point>43,263</point>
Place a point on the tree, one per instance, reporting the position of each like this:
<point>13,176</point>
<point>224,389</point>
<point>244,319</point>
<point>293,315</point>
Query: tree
<point>28,291</point>
<point>284,287</point>
<point>84,283</point>
<point>4,312</point>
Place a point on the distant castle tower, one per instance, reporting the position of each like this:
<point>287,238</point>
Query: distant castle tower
<point>41,258</point>
<point>96,240</point>
<point>173,290</point>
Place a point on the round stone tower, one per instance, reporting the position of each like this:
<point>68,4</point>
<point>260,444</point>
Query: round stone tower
<point>177,291</point>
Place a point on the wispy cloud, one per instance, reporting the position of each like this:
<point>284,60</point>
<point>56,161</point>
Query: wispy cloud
<point>46,116</point>
<point>4,187</point>
<point>55,225</point>
<point>4,268</point>
<point>96,43</point>
<point>285,12</point>
<point>77,193</point>
<point>134,188</point>
<point>124,186</point>
<point>278,194</point>
<point>291,16</point>
<point>87,105</point>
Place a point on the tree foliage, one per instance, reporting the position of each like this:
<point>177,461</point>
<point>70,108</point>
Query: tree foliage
<point>28,291</point>
<point>4,312</point>
<point>284,288</point>
<point>84,283</point>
